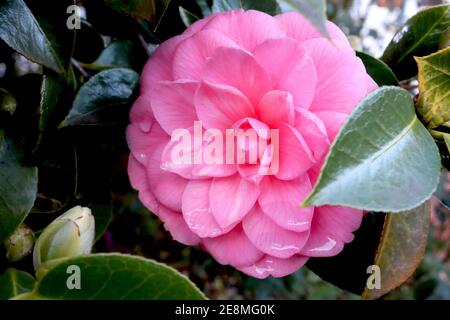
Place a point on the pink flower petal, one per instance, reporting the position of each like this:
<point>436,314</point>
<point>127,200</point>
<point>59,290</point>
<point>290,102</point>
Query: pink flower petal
<point>271,266</point>
<point>220,106</point>
<point>296,74</point>
<point>231,198</point>
<point>186,155</point>
<point>295,157</point>
<point>167,187</point>
<point>139,182</point>
<point>270,238</point>
<point>280,200</point>
<point>193,52</point>
<point>276,107</point>
<point>142,143</point>
<point>239,69</point>
<point>197,212</point>
<point>175,224</point>
<point>333,122</point>
<point>246,70</point>
<point>198,26</point>
<point>141,113</point>
<point>173,104</point>
<point>341,76</point>
<point>159,67</point>
<point>248,28</point>
<point>300,29</point>
<point>233,248</point>
<point>173,221</point>
<point>313,131</point>
<point>314,172</point>
<point>331,228</point>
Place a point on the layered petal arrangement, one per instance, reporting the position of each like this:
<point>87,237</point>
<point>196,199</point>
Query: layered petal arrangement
<point>246,70</point>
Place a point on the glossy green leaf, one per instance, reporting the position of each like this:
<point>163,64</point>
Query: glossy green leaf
<point>115,277</point>
<point>51,90</point>
<point>14,282</point>
<point>102,211</point>
<point>21,31</point>
<point>187,17</point>
<point>53,17</point>
<point>138,8</point>
<point>401,248</point>
<point>268,6</point>
<point>383,159</point>
<point>109,88</point>
<point>18,187</point>
<point>419,36</point>
<point>314,11</point>
<point>434,88</point>
<point>204,7</point>
<point>378,70</point>
<point>117,55</point>
<point>34,37</point>
<point>8,102</point>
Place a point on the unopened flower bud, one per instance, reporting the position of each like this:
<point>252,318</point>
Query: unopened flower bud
<point>19,244</point>
<point>70,235</point>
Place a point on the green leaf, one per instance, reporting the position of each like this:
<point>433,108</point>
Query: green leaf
<point>117,55</point>
<point>204,7</point>
<point>383,159</point>
<point>434,88</point>
<point>51,90</point>
<point>444,40</point>
<point>7,101</point>
<point>418,37</point>
<point>36,40</point>
<point>187,17</point>
<point>102,212</point>
<point>106,89</point>
<point>18,187</point>
<point>14,282</point>
<point>268,6</point>
<point>115,277</point>
<point>401,248</point>
<point>314,11</point>
<point>378,70</point>
<point>137,8</point>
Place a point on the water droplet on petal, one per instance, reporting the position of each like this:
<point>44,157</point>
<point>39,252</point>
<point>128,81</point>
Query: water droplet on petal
<point>145,125</point>
<point>142,156</point>
<point>329,245</point>
<point>279,247</point>
<point>297,223</point>
<point>265,269</point>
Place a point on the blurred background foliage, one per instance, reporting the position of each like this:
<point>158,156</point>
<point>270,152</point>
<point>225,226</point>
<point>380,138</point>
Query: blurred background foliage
<point>80,164</point>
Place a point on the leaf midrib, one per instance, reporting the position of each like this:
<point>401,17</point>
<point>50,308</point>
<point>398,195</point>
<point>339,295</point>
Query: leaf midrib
<point>432,66</point>
<point>52,50</point>
<point>392,143</point>
<point>407,52</point>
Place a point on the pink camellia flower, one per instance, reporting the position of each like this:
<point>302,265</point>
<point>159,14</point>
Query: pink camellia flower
<point>247,70</point>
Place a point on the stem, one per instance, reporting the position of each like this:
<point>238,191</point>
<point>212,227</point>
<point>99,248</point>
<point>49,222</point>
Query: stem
<point>77,65</point>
